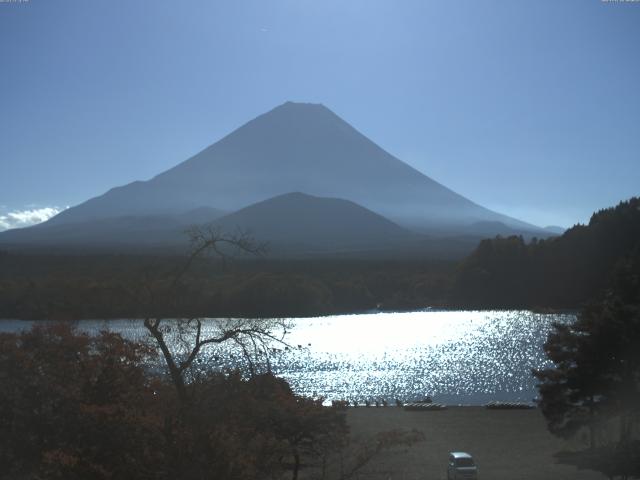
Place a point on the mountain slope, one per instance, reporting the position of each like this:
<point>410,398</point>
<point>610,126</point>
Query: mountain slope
<point>292,223</point>
<point>300,220</point>
<point>123,231</point>
<point>294,147</point>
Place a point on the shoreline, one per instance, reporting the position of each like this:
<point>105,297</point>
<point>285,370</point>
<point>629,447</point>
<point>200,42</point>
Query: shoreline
<point>434,309</point>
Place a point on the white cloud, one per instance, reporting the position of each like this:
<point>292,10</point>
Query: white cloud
<point>24,218</point>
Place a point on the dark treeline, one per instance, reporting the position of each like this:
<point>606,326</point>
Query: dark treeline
<point>561,272</point>
<point>39,286</point>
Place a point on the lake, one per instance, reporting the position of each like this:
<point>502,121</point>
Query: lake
<point>456,357</point>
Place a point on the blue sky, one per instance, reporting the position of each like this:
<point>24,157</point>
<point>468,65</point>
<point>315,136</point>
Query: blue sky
<point>531,108</point>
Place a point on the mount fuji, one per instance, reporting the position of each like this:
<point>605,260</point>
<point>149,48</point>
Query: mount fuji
<point>296,147</point>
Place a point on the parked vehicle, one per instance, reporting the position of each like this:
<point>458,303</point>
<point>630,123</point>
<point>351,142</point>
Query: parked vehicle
<point>461,467</point>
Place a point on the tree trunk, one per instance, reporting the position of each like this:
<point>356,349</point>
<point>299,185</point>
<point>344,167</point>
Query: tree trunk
<point>174,370</point>
<point>296,465</point>
<point>592,427</point>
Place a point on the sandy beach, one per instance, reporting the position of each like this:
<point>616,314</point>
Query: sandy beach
<point>507,444</point>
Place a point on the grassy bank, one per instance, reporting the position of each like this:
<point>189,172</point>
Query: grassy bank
<point>507,444</point>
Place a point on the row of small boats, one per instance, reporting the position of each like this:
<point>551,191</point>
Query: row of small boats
<point>428,405</point>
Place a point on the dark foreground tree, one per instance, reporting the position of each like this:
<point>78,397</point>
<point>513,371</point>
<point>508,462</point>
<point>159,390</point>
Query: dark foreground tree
<point>77,407</point>
<point>73,406</point>
<point>595,384</point>
<point>257,428</point>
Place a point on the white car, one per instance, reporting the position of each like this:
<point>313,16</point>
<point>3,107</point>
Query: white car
<point>461,466</point>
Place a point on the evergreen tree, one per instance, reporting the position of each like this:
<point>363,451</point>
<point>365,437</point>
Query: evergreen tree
<point>596,378</point>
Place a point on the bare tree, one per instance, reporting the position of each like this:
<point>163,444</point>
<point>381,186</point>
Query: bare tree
<point>254,337</point>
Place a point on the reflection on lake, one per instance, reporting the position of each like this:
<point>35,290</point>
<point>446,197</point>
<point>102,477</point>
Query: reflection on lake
<point>454,356</point>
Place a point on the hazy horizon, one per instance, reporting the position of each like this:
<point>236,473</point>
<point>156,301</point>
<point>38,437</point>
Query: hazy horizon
<point>528,109</point>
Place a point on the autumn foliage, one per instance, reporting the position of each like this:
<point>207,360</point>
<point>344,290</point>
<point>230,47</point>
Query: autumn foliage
<point>75,406</point>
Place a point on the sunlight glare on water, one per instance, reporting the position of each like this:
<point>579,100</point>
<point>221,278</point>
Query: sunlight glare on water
<point>454,356</point>
<point>457,357</point>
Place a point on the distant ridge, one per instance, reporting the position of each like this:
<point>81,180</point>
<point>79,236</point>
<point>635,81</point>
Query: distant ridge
<point>289,224</point>
<point>124,231</point>
<point>555,229</point>
<point>299,220</point>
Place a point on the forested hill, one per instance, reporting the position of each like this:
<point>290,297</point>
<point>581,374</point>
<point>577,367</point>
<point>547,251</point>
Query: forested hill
<point>561,272</point>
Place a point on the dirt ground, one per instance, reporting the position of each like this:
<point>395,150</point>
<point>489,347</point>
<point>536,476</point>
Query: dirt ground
<point>507,444</point>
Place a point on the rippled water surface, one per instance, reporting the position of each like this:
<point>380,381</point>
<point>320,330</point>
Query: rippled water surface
<point>454,356</point>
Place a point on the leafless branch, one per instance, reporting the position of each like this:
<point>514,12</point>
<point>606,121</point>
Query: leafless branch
<point>253,337</point>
